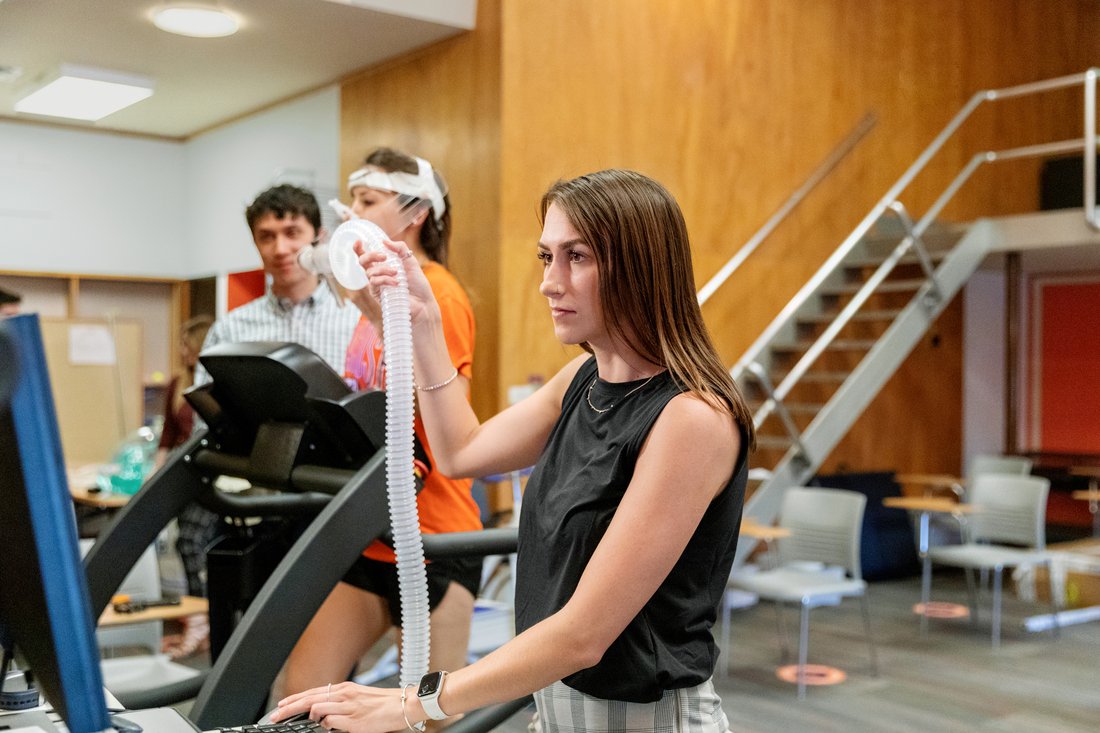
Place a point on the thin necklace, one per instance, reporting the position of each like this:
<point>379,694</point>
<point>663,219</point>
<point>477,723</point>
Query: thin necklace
<point>588,394</point>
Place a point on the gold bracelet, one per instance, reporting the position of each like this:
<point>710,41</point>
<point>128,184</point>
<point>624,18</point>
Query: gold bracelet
<point>415,728</point>
<point>442,384</point>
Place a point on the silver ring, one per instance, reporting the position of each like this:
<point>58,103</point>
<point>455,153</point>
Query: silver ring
<point>328,693</point>
<point>406,254</point>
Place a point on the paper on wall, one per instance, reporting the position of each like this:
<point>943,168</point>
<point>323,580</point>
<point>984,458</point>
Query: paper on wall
<point>91,344</point>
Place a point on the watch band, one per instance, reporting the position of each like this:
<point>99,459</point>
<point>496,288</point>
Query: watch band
<point>429,698</point>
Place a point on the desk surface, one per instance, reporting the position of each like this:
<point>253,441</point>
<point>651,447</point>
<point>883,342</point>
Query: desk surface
<point>188,606</point>
<point>98,499</point>
<point>82,481</point>
<point>930,480</point>
<point>752,528</point>
<point>927,504</point>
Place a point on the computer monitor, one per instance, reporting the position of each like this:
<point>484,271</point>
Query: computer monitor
<point>44,603</point>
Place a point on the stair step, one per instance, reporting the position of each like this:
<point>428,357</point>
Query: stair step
<point>891,229</point>
<point>834,345</point>
<point>889,286</point>
<point>804,408</point>
<point>773,442</point>
<point>876,315</point>
<point>815,377</point>
<point>819,377</point>
<point>909,259</point>
<point>795,408</point>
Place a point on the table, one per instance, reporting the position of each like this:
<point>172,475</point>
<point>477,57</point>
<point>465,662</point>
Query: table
<point>188,606</point>
<point>94,508</point>
<point>85,491</point>
<point>98,499</point>
<point>932,481</point>
<point>752,528</point>
<point>925,506</point>
<point>1091,495</point>
<point>766,532</point>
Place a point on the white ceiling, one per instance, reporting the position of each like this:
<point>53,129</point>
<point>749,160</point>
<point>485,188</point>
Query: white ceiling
<point>284,48</point>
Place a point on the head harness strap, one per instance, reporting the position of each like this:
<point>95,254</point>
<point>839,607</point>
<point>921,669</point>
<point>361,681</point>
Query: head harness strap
<point>423,185</point>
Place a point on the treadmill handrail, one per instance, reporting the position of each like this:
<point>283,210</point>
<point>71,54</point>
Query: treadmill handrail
<point>323,479</point>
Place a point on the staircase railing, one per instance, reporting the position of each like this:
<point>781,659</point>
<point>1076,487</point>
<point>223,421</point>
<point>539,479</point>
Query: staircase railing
<point>817,176</point>
<point>750,362</point>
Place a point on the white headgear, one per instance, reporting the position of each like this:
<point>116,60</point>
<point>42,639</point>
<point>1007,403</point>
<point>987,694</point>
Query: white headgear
<point>423,185</point>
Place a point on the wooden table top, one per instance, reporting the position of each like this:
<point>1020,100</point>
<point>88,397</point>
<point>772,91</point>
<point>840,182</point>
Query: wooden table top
<point>751,528</point>
<point>930,479</point>
<point>188,606</point>
<point>100,499</point>
<point>928,504</point>
<point>84,490</point>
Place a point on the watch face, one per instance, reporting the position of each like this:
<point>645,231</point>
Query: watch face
<point>429,684</point>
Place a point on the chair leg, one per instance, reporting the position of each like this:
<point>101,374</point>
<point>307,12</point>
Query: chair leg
<point>925,593</point>
<point>781,632</point>
<point>870,637</point>
<point>972,595</point>
<point>1055,603</point>
<point>803,650</point>
<point>997,572</point>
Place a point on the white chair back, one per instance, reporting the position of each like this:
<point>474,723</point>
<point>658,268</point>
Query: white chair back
<point>1008,510</point>
<point>826,526</point>
<point>984,463</point>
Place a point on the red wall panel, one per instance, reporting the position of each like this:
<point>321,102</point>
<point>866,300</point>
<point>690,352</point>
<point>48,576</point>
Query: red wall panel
<point>1069,402</point>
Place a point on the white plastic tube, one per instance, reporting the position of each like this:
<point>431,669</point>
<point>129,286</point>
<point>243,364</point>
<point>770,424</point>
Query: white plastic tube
<point>400,486</point>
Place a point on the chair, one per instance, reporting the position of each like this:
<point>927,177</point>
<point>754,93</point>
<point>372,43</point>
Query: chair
<point>986,463</point>
<point>945,531</point>
<point>818,564</point>
<point>1006,529</point>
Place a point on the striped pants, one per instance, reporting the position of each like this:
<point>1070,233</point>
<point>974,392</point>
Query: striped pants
<point>562,709</point>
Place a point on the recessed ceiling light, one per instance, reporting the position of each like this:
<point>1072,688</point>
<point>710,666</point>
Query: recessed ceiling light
<point>83,93</point>
<point>193,20</point>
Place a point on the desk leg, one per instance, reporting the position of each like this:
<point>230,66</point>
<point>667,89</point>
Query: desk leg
<point>926,573</point>
<point>1094,506</point>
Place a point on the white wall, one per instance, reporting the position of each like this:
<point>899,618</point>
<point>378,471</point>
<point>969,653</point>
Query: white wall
<point>78,201</point>
<point>297,142</point>
<point>88,202</point>
<point>983,364</point>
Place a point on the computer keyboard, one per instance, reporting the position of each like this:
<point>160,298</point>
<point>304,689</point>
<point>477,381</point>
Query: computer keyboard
<point>297,726</point>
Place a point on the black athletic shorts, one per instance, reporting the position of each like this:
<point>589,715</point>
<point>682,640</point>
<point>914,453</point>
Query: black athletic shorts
<point>380,578</point>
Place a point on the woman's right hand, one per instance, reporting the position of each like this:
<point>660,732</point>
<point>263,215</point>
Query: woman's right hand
<point>382,273</point>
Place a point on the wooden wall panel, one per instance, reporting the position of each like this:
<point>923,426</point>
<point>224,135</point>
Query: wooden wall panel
<point>443,103</point>
<point>98,404</point>
<point>731,103</point>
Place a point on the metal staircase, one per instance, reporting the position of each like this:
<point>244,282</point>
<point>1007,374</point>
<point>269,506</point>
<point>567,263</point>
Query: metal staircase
<point>824,358</point>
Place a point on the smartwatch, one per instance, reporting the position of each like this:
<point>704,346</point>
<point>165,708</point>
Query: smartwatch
<point>431,685</point>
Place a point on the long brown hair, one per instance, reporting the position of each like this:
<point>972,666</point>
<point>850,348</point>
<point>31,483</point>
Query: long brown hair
<point>647,288</point>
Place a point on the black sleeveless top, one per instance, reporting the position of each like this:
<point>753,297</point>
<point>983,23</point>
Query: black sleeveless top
<point>570,499</point>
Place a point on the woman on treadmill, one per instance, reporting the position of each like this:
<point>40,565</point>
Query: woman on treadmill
<point>631,516</point>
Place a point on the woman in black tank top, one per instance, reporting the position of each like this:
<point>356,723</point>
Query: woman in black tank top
<point>630,518</point>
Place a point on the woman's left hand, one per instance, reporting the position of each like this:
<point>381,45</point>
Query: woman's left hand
<point>382,272</point>
<point>348,707</point>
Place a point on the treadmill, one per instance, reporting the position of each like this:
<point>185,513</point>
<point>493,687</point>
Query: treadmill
<point>279,417</point>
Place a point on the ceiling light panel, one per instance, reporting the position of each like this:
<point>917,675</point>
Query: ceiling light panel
<point>82,93</point>
<point>199,22</point>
